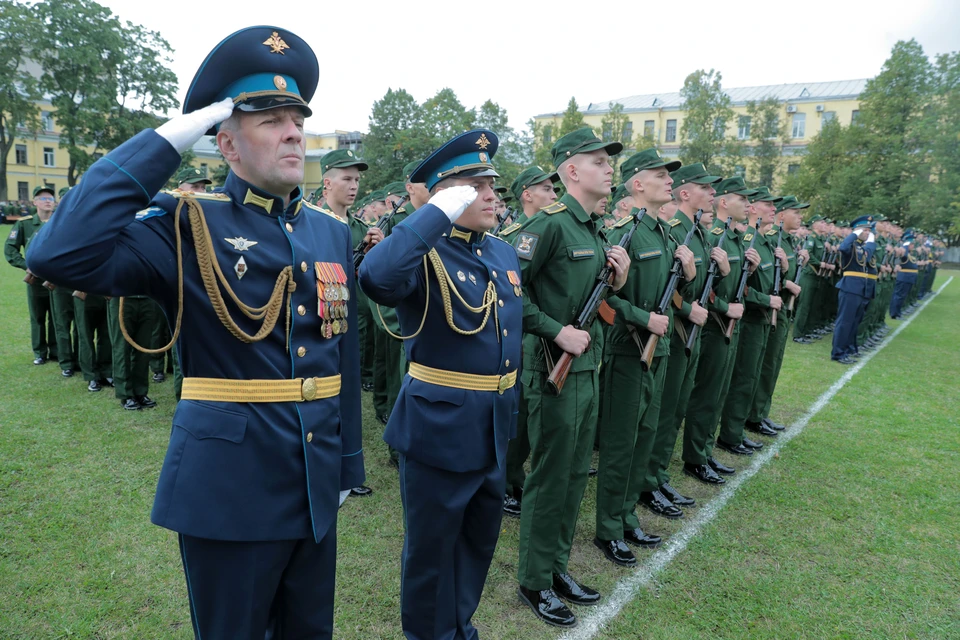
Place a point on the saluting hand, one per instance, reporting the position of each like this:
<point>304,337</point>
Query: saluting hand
<point>183,131</point>
<point>753,257</point>
<point>374,235</point>
<point>453,201</point>
<point>618,259</point>
<point>720,257</point>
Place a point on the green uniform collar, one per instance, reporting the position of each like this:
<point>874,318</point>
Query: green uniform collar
<point>577,209</point>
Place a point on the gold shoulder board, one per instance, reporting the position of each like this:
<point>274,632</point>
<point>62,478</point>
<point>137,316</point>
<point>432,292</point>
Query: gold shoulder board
<point>673,222</point>
<point>623,221</point>
<point>772,232</point>
<point>314,207</point>
<point>718,231</point>
<point>556,207</point>
<point>510,229</point>
<point>747,237</point>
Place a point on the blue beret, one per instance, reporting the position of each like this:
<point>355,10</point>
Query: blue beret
<point>467,155</point>
<point>260,68</point>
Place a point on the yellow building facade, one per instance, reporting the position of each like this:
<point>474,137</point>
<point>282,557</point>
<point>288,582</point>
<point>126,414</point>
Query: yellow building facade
<point>37,159</point>
<point>806,107</point>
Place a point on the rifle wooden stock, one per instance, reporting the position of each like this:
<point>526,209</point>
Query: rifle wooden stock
<point>646,359</point>
<point>560,370</point>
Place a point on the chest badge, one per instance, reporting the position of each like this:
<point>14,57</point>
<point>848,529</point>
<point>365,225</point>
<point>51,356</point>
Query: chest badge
<point>473,279</point>
<point>241,244</point>
<point>514,278</point>
<point>240,268</point>
<point>461,277</point>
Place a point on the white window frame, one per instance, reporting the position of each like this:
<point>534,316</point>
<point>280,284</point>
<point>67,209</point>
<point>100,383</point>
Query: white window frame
<point>800,131</point>
<point>49,157</point>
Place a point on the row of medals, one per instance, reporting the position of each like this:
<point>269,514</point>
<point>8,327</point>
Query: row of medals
<point>332,298</point>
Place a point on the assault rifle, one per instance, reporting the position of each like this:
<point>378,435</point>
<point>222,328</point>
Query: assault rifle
<point>501,220</point>
<point>707,289</point>
<point>741,288</point>
<point>361,249</point>
<point>777,280</point>
<point>675,271</point>
<point>595,304</point>
<point>796,280</point>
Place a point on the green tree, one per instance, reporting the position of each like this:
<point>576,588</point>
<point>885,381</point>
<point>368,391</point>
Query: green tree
<point>390,144</point>
<point>572,120</point>
<point>539,142</point>
<point>614,126</point>
<point>707,112</point>
<point>18,87</point>
<point>939,196</point>
<point>103,76</point>
<point>442,117</point>
<point>512,156</point>
<point>768,134</point>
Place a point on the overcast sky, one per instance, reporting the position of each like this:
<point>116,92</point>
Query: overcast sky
<point>530,57</point>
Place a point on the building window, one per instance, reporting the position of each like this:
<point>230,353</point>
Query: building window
<point>828,117</point>
<point>547,134</point>
<point>671,135</point>
<point>740,171</point>
<point>648,127</point>
<point>854,115</point>
<point>743,128</point>
<point>607,132</point>
<point>21,154</point>
<point>628,133</point>
<point>203,169</point>
<point>799,125</point>
<point>48,160</point>
<point>23,191</point>
<point>47,119</point>
<point>792,169</point>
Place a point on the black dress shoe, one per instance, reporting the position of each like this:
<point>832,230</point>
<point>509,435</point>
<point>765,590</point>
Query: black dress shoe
<point>511,506</point>
<point>747,442</point>
<point>592,472</point>
<point>159,377</point>
<point>759,427</point>
<point>67,373</point>
<point>736,449</point>
<point>703,473</point>
<point>94,386</point>
<point>395,463</point>
<point>130,404</point>
<point>361,492</point>
<point>719,467</point>
<point>676,497</point>
<point>659,504</point>
<point>367,386</point>
<point>846,360</point>
<point>773,425</point>
<point>639,538</point>
<point>547,606</point>
<point>146,402</point>
<point>802,340</point>
<point>572,591</point>
<point>383,418</point>
<point>39,361</point>
<point>616,552</point>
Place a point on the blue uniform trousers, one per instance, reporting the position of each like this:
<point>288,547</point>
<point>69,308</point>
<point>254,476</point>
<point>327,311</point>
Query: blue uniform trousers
<point>452,523</point>
<point>278,590</point>
<point>900,292</point>
<point>850,309</point>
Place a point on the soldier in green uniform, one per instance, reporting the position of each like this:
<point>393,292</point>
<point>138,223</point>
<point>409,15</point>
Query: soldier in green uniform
<point>561,253</point>
<point>693,190</point>
<point>804,322</point>
<point>43,335</point>
<point>788,221</point>
<point>754,331</point>
<point>96,351</point>
<point>131,367</point>
<point>631,396</point>
<point>64,322</point>
<point>717,356</point>
<point>533,188</point>
<point>623,203</point>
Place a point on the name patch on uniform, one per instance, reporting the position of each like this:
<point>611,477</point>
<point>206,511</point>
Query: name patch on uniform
<point>765,265</point>
<point>581,253</point>
<point>697,260</point>
<point>151,212</point>
<point>648,253</point>
<point>733,258</point>
<point>526,245</point>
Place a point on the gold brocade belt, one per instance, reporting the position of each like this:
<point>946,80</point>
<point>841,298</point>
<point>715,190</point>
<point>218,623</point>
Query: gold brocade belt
<point>297,390</point>
<point>457,380</point>
<point>860,274</point>
<point>909,270</point>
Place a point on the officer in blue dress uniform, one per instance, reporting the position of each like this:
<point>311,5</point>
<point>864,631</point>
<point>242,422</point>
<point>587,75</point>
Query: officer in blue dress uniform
<point>906,274</point>
<point>267,434</point>
<point>458,296</point>
<point>856,288</point>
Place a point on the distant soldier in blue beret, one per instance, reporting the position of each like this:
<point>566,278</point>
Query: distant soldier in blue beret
<point>457,292</point>
<point>259,288</point>
<point>856,288</point>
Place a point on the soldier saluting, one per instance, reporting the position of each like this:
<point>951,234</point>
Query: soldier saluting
<point>268,431</point>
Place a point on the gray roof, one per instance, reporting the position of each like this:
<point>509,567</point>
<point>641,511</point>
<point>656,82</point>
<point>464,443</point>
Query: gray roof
<point>798,91</point>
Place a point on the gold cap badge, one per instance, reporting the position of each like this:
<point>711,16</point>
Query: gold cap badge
<point>483,142</point>
<point>483,157</point>
<point>280,83</point>
<point>276,43</point>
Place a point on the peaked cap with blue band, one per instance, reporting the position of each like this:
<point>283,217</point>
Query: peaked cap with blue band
<point>260,68</point>
<point>467,155</point>
<point>862,221</point>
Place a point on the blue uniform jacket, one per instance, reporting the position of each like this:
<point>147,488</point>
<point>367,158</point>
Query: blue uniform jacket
<point>908,261</point>
<point>449,428</point>
<point>855,258</point>
<point>233,471</point>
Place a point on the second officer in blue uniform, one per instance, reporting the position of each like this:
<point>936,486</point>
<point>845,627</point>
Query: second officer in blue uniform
<point>857,287</point>
<point>267,434</point>
<point>458,296</point>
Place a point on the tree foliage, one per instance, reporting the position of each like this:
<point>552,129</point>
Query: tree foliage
<point>768,135</point>
<point>613,126</point>
<point>572,120</point>
<point>19,89</point>
<point>707,113</point>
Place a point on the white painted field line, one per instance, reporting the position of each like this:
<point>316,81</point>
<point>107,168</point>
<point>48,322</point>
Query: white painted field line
<point>625,590</point>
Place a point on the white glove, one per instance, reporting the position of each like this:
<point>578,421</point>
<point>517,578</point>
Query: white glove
<point>181,132</point>
<point>870,238</point>
<point>454,201</point>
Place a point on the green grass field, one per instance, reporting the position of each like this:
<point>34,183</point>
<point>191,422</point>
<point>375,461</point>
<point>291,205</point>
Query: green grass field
<point>851,532</point>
